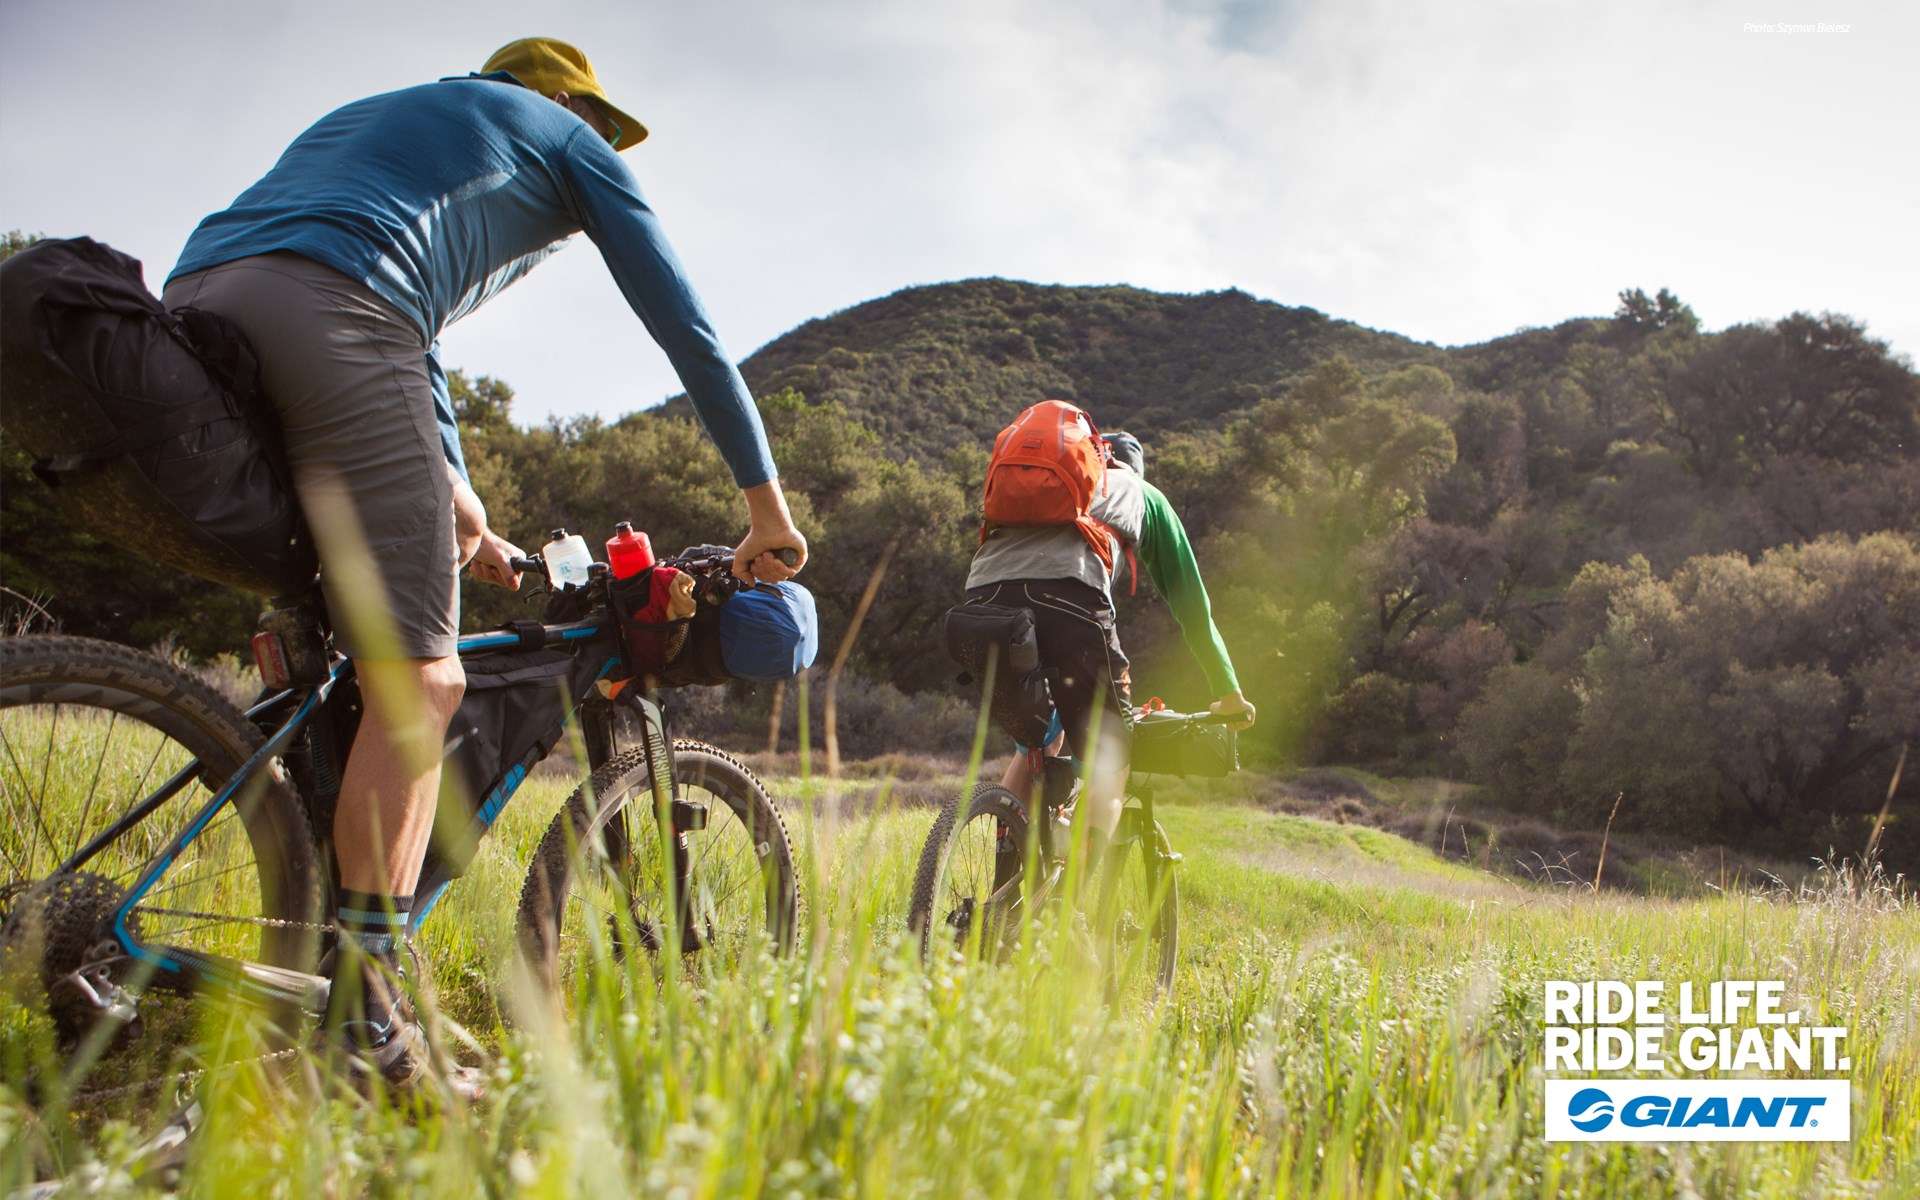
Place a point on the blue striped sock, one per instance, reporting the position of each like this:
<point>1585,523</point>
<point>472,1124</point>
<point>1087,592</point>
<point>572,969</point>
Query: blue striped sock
<point>373,921</point>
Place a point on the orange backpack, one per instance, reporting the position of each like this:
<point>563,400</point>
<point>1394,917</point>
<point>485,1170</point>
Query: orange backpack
<point>1046,469</point>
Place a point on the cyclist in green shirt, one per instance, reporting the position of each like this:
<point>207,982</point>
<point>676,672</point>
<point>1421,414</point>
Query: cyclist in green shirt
<point>1052,571</point>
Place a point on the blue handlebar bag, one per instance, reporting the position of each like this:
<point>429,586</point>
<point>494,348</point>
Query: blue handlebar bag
<point>769,632</point>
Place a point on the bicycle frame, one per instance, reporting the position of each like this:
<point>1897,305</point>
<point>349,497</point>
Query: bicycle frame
<point>179,967</point>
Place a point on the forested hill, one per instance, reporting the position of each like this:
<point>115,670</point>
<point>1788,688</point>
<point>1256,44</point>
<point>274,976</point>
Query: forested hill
<point>939,367</point>
<point>1618,566</point>
<point>1618,569</point>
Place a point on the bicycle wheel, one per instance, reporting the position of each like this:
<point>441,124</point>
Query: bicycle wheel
<point>91,733</point>
<point>599,881</point>
<point>1138,909</point>
<point>970,869</point>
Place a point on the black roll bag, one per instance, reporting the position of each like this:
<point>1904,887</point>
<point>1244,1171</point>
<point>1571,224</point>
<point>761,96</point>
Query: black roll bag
<point>1165,743</point>
<point>150,426</point>
<point>1004,635</point>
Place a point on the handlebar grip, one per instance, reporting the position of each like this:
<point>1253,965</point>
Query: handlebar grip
<point>788,555</point>
<point>524,565</point>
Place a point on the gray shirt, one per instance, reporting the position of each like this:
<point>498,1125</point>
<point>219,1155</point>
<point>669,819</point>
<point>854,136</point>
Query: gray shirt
<point>1058,551</point>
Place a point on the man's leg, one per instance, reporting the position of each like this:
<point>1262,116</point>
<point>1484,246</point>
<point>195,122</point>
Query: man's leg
<point>1020,777</point>
<point>1078,641</point>
<point>380,828</point>
<point>392,781</point>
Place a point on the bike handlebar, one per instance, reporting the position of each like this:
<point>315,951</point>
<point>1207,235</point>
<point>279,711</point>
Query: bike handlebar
<point>786,554</point>
<point>1199,718</point>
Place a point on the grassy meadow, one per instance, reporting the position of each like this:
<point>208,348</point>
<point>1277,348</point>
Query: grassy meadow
<point>1354,1016</point>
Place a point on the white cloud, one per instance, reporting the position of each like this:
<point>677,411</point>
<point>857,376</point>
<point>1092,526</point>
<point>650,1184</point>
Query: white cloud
<point>1448,171</point>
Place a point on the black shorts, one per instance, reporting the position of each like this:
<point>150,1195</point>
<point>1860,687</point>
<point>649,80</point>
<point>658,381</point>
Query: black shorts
<point>1080,649</point>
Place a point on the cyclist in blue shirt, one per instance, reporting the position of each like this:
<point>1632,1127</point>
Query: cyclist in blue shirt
<point>381,225</point>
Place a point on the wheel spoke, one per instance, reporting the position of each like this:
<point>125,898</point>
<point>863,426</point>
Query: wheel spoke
<point>147,774</point>
<point>40,825</point>
<point>174,887</point>
<point>146,855</point>
<point>46,769</point>
<point>99,764</point>
<point>21,874</point>
<point>733,888</point>
<point>728,892</point>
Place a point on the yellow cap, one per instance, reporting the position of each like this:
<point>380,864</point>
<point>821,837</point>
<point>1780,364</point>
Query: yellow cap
<point>548,66</point>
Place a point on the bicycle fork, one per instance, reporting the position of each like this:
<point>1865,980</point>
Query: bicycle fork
<point>676,817</point>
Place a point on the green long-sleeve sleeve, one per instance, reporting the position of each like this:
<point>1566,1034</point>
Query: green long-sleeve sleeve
<point>1168,557</point>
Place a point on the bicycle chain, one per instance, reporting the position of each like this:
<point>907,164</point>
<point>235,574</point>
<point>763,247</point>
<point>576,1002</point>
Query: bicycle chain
<point>228,918</point>
<point>181,1078</point>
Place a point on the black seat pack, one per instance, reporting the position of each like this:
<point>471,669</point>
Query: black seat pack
<point>1003,635</point>
<point>149,425</point>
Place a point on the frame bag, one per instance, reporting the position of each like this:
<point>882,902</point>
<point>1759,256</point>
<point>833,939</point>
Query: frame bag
<point>150,426</point>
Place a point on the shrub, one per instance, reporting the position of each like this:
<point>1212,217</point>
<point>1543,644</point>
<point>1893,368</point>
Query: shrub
<point>1366,721</point>
<point>1514,736</point>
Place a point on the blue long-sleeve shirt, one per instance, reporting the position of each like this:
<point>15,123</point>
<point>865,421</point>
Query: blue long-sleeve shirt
<point>438,196</point>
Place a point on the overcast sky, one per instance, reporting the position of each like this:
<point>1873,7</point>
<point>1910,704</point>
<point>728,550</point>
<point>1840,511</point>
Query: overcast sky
<point>1448,171</point>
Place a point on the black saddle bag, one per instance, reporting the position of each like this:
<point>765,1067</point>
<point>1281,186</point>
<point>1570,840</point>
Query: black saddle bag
<point>150,426</point>
<point>1003,635</point>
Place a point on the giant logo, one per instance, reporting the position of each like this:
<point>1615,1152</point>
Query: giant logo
<point>1698,1110</point>
<point>1590,1110</point>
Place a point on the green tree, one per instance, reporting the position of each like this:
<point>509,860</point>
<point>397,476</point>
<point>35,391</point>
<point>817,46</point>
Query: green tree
<point>1805,385</point>
<point>1774,693</point>
<point>1643,314</point>
<point>482,406</point>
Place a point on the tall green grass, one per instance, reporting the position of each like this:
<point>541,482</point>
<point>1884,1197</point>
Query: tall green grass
<point>1353,1018</point>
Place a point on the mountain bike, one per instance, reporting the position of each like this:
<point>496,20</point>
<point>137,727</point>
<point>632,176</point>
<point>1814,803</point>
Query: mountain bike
<point>158,843</point>
<point>993,861</point>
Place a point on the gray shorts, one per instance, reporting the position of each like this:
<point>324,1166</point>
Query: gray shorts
<point>348,375</point>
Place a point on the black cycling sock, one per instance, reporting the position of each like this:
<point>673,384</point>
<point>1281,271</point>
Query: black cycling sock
<point>373,922</point>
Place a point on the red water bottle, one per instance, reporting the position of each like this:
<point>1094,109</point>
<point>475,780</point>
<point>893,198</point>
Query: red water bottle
<point>628,552</point>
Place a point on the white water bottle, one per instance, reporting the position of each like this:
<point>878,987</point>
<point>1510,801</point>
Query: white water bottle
<point>1062,832</point>
<point>568,559</point>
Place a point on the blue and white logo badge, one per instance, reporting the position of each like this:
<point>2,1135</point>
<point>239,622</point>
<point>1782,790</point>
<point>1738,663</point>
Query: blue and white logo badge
<point>1698,1110</point>
<point>1590,1110</point>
